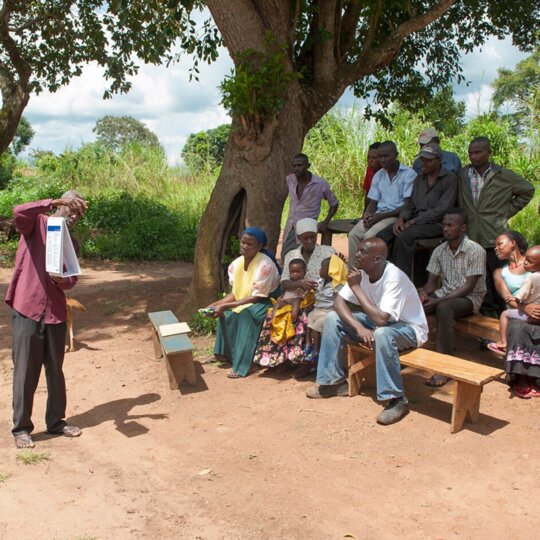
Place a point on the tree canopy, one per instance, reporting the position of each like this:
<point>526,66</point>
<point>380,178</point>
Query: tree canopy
<point>23,136</point>
<point>117,131</point>
<point>205,149</point>
<point>520,88</point>
<point>45,43</point>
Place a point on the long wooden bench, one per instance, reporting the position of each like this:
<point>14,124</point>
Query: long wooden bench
<point>479,326</point>
<point>470,377</point>
<point>177,350</point>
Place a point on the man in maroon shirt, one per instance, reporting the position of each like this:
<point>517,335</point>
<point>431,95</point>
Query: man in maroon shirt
<point>39,318</point>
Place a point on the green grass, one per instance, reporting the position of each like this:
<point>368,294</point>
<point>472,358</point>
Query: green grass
<point>31,457</point>
<point>141,208</point>
<point>4,477</point>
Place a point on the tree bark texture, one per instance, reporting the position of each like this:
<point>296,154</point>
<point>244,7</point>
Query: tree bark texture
<point>250,191</point>
<point>251,188</point>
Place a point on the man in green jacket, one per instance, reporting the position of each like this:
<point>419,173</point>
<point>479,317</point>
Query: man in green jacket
<point>490,195</point>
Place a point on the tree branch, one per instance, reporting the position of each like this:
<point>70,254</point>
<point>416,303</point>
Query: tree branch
<point>373,25</point>
<point>15,92</point>
<point>373,60</point>
<point>350,19</point>
<point>324,59</point>
<point>240,25</point>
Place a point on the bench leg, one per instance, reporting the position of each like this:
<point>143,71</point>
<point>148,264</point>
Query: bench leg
<point>359,368</point>
<point>158,351</point>
<point>466,405</point>
<point>179,368</point>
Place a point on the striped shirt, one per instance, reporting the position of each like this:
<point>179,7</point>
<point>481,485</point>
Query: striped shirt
<point>455,267</point>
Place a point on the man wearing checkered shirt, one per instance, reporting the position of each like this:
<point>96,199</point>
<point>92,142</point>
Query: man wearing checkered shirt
<point>456,285</point>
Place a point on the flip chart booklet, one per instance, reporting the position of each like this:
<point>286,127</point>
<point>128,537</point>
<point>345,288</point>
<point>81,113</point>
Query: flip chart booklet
<point>60,257</point>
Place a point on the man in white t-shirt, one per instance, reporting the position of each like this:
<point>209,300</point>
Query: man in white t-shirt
<point>390,318</point>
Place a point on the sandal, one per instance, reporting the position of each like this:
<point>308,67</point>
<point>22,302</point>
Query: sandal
<point>492,346</point>
<point>436,381</point>
<point>535,391</point>
<point>523,392</point>
<point>67,431</point>
<point>233,375</point>
<point>23,440</point>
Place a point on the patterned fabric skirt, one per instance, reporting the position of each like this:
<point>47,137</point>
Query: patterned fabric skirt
<point>270,354</point>
<point>523,350</point>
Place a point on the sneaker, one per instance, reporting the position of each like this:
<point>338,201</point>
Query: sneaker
<point>395,410</point>
<point>321,391</point>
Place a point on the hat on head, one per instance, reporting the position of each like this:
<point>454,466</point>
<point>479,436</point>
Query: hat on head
<point>306,225</point>
<point>427,135</point>
<point>431,151</point>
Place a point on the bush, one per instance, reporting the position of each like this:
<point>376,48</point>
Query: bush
<point>119,225</point>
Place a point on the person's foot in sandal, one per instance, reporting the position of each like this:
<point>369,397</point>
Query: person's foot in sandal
<point>67,431</point>
<point>497,349</point>
<point>23,440</point>
<point>232,375</point>
<point>436,381</point>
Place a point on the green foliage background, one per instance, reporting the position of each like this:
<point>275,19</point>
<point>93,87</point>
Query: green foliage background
<point>142,208</point>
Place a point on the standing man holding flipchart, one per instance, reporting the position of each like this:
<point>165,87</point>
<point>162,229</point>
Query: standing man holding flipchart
<point>39,317</point>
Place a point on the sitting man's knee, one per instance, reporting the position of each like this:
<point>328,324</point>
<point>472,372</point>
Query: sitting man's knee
<point>444,310</point>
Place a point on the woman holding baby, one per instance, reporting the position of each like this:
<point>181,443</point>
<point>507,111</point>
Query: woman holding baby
<point>519,284</point>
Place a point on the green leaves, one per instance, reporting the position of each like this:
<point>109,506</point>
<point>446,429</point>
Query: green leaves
<point>256,88</point>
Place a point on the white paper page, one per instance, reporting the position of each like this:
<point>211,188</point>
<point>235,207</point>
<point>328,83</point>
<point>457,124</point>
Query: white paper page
<point>173,329</point>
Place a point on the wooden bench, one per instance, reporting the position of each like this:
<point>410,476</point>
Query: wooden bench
<point>479,326</point>
<point>470,377</point>
<point>177,350</point>
<point>337,226</point>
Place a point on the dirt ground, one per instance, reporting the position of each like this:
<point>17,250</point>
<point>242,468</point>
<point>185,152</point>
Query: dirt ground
<point>251,458</point>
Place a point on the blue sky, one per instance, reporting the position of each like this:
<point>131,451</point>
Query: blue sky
<point>172,107</point>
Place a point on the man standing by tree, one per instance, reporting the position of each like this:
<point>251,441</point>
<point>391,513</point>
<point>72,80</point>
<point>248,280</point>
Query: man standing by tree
<point>459,264</point>
<point>490,195</point>
<point>306,192</point>
<point>449,160</point>
<point>39,318</point>
<point>434,192</point>
<point>390,188</point>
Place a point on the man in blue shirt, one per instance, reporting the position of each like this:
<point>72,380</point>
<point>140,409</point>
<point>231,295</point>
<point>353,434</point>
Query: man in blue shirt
<point>449,161</point>
<point>390,187</point>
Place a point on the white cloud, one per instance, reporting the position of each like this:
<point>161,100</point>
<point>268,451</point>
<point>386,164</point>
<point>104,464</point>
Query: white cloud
<point>172,107</point>
<point>161,97</point>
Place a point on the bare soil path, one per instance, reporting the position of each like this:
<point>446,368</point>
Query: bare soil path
<point>278,465</point>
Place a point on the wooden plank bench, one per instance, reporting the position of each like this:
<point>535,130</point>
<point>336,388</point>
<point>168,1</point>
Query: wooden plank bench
<point>479,326</point>
<point>177,350</point>
<point>470,377</point>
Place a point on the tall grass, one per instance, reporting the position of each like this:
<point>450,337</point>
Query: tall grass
<point>337,147</point>
<point>140,207</point>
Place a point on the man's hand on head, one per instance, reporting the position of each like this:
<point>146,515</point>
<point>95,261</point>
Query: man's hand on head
<point>73,203</point>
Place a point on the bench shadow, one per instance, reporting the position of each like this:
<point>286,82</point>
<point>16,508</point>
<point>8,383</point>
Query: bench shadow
<point>423,400</point>
<point>118,411</point>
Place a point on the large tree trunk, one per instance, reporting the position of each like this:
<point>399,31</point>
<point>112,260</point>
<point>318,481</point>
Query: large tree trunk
<point>250,191</point>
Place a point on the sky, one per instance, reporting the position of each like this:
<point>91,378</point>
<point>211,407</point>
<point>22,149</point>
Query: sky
<point>172,107</point>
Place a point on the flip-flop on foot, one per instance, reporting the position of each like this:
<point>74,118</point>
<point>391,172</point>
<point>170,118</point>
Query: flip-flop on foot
<point>501,353</point>
<point>67,431</point>
<point>233,375</point>
<point>23,440</point>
